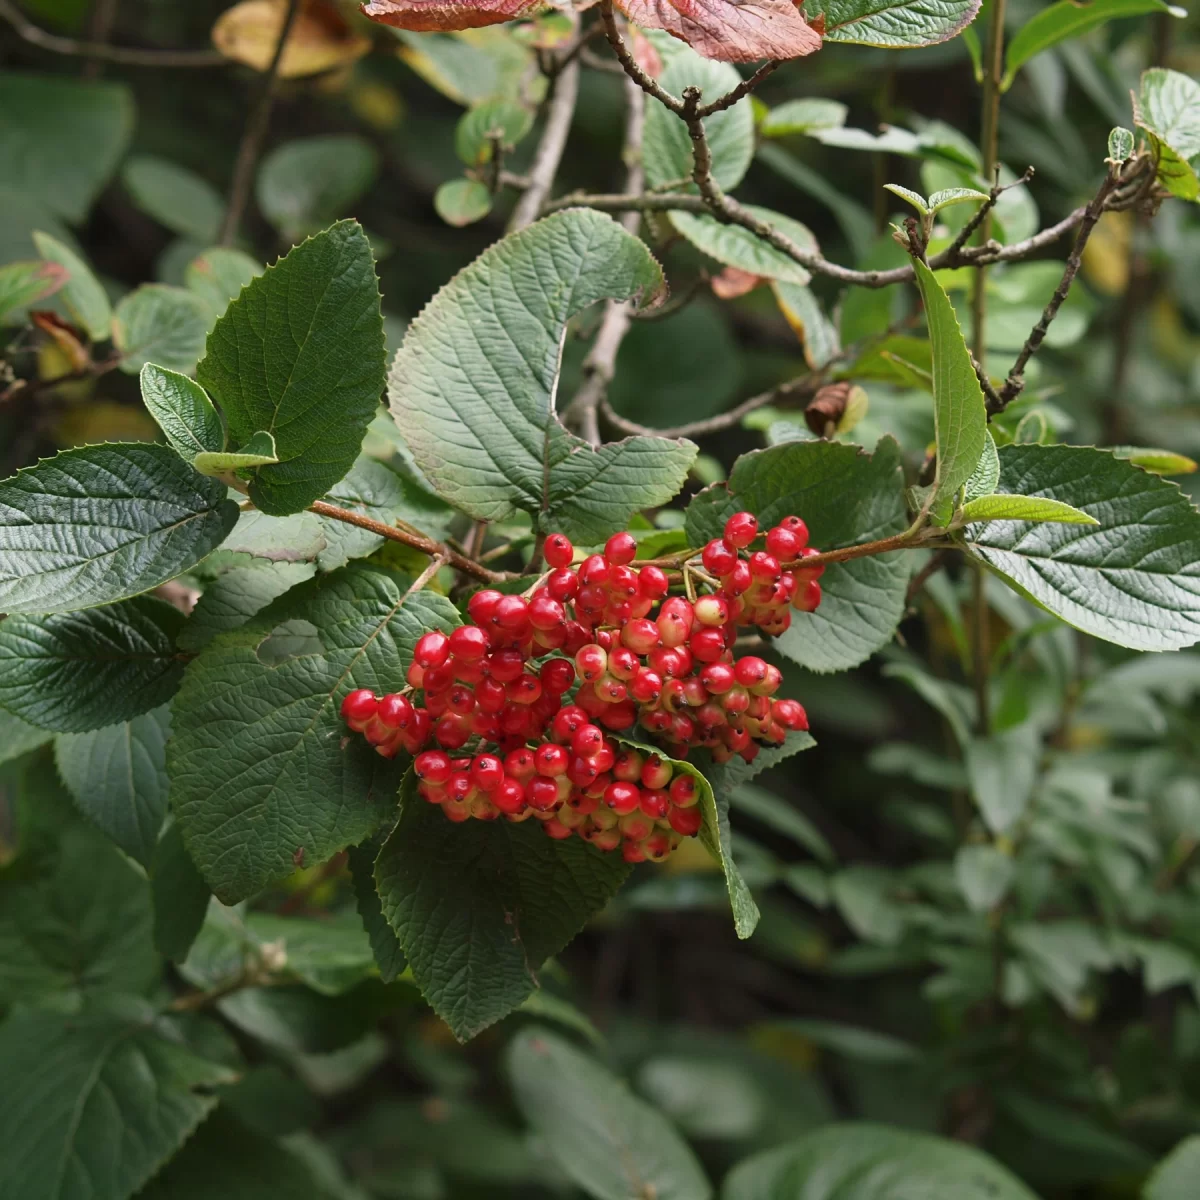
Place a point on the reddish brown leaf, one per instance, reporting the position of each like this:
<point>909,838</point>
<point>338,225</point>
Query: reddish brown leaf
<point>429,16</point>
<point>733,282</point>
<point>727,31</point>
<point>64,335</point>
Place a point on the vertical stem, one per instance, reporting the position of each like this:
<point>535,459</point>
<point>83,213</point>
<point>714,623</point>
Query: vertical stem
<point>254,135</point>
<point>980,651</point>
<point>989,141</point>
<point>100,26</point>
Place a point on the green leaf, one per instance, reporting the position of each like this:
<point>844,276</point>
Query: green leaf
<point>218,275</point>
<point>77,926</point>
<point>389,954</point>
<point>180,896</point>
<point>776,813</point>
<point>183,411</point>
<point>858,1045</point>
<point>378,492</point>
<point>984,875</point>
<point>478,907</point>
<point>1158,462</point>
<point>18,738</point>
<point>1003,770</point>
<point>160,324</point>
<point>300,354</point>
<point>914,198</point>
<point>473,385</point>
<point>257,452</point>
<point>955,195</point>
<point>61,138</point>
<point>83,294</point>
<point>845,497</point>
<point>959,415</point>
<point>25,283</point>
<point>235,596</point>
<point>861,1161</point>
<point>1024,508</point>
<point>307,183</point>
<point>667,151</point>
<point>1175,1177</point>
<point>896,24</point>
<point>865,896</point>
<point>74,672</point>
<point>738,247</point>
<point>118,776</point>
<point>294,539</point>
<point>804,314</point>
<point>610,1143</point>
<point>1065,20</point>
<point>986,476</point>
<point>803,116</point>
<point>95,1104</point>
<point>1133,580</point>
<point>1120,145</point>
<point>174,196</point>
<point>478,127</point>
<point>257,768</point>
<point>331,956</point>
<point>1168,108</point>
<point>462,202</point>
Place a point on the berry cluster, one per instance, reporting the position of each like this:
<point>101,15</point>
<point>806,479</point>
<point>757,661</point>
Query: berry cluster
<point>635,657</point>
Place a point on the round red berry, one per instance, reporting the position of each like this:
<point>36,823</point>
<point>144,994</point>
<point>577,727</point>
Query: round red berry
<point>652,582</point>
<point>719,557</point>
<point>741,529</point>
<point>620,549</point>
<point>432,649</point>
<point>482,605</point>
<point>558,550</point>
<point>433,766</point>
<point>783,543</point>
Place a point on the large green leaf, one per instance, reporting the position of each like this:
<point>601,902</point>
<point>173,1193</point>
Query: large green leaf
<point>668,148</point>
<point>235,596</point>
<point>385,945</point>
<point>1167,106</point>
<point>738,247</point>
<point>94,1104</point>
<point>77,925</point>
<point>611,1143</point>
<point>183,411</point>
<point>258,771</point>
<point>895,24</point>
<point>306,183</point>
<point>846,497</point>
<point>83,294</point>
<point>101,523</point>
<point>73,672</point>
<point>118,776</point>
<point>478,907</point>
<point>300,355</point>
<point>161,324</point>
<point>61,138</point>
<point>473,386</point>
<point>959,415</point>
<point>180,896</point>
<point>860,1161</point>
<point>1066,19</point>
<point>174,196</point>
<point>1134,579</point>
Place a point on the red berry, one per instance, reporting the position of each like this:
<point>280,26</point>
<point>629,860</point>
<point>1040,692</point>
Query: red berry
<point>591,662</point>
<point>432,649</point>
<point>656,773</point>
<point>808,597</point>
<point>509,797</point>
<point>627,766</point>
<point>432,766</point>
<point>580,771</point>
<point>562,584</point>
<point>551,759</point>
<point>765,566</point>
<point>652,583</point>
<point>790,714</point>
<point>439,679</point>
<point>469,643</point>
<point>558,551</point>
<point>640,635</point>
<point>525,689</point>
<point>796,526</point>
<point>750,671</point>
<point>718,678</point>
<point>604,758</point>
<point>557,676</point>
<point>620,549</point>
<point>506,665</point>
<point>741,529</point>
<point>358,708</point>
<point>546,613</point>
<point>683,791</point>
<point>594,569</point>
<point>719,557</point>
<point>451,731</point>
<point>519,764</point>
<point>686,821</point>
<point>512,614</point>
<point>587,742</point>
<point>482,605</point>
<point>655,803</point>
<point>707,645</point>
<point>632,852</point>
<point>646,686</point>
<point>541,793</point>
<point>490,695</point>
<point>622,797</point>
<point>461,700</point>
<point>804,574</point>
<point>783,543</point>
<point>396,711</point>
<point>623,663</point>
<point>739,580</point>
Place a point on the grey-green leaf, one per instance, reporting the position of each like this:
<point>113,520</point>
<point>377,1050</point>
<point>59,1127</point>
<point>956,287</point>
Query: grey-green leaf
<point>25,283</point>
<point>1167,107</point>
<point>469,905</point>
<point>183,411</point>
<point>1134,579</point>
<point>914,198</point>
<point>259,772</point>
<point>473,386</point>
<point>118,776</point>
<point>257,452</point>
<point>503,120</point>
<point>73,672</point>
<point>983,480</point>
<point>218,275</point>
<point>611,1143</point>
<point>462,202</point>
<point>1003,770</point>
<point>738,247</point>
<point>157,323</point>
<point>960,418</point>
<point>1120,145</point>
<point>235,596</point>
<point>300,354</point>
<point>1175,1177</point>
<point>306,183</point>
<point>984,875</point>
<point>896,24</point>
<point>845,497</point>
<point>83,294</point>
<point>803,116</point>
<point>861,1161</point>
<point>94,1104</point>
<point>174,196</point>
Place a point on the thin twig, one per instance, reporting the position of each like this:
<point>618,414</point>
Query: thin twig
<point>426,575</point>
<point>129,56</point>
<point>601,362</point>
<point>629,64</point>
<point>560,113</point>
<point>982,212</point>
<point>743,89</point>
<point>254,135</point>
<point>104,16</point>
<point>418,541</point>
<point>806,385</point>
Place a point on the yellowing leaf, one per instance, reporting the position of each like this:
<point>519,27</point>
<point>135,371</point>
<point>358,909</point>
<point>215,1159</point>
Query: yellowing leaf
<point>320,39</point>
<point>1106,255</point>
